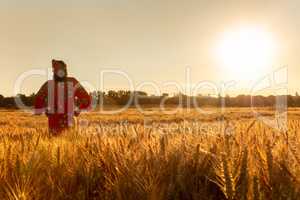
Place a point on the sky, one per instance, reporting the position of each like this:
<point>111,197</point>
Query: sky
<point>149,40</point>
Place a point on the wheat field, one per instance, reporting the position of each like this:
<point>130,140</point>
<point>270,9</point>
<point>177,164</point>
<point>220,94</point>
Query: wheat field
<point>131,155</point>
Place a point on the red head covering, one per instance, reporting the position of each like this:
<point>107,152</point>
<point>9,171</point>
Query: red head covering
<point>58,64</point>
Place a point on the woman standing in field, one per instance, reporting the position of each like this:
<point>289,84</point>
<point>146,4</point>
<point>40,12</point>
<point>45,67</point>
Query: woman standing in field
<point>61,99</point>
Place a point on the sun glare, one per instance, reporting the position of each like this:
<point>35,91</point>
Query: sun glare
<point>246,53</point>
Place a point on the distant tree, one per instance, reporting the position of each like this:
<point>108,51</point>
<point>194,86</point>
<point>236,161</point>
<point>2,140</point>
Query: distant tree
<point>297,99</point>
<point>220,102</point>
<point>112,94</point>
<point>100,96</point>
<point>227,100</point>
<point>291,101</point>
<point>9,102</point>
<point>1,100</point>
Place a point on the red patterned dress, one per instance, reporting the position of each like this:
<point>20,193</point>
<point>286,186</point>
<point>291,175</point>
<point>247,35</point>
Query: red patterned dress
<point>61,101</point>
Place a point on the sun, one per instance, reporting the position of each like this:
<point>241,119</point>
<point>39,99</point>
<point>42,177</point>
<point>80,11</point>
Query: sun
<point>246,53</point>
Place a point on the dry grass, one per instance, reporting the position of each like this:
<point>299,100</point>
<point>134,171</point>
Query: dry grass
<point>197,158</point>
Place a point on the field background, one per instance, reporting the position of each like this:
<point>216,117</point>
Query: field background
<point>154,155</point>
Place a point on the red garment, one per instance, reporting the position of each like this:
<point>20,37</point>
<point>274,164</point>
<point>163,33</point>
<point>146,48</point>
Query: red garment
<point>59,99</point>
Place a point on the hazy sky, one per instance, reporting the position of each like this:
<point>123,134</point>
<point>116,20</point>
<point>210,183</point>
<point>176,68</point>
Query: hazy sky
<point>151,40</point>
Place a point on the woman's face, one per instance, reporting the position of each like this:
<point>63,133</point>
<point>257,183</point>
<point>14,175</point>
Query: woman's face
<point>61,73</point>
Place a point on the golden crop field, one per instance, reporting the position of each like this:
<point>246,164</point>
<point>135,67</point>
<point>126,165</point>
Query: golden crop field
<point>184,155</point>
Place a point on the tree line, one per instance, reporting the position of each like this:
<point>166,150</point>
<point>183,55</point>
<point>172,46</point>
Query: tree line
<point>123,97</point>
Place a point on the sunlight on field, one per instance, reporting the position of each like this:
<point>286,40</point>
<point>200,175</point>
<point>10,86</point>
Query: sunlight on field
<point>133,156</point>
